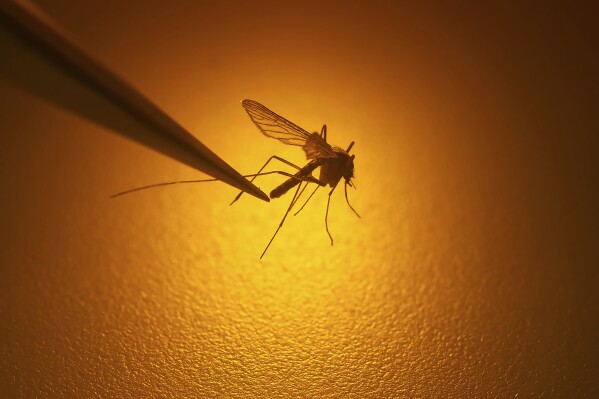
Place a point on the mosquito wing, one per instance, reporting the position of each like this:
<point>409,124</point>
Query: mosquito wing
<point>277,127</point>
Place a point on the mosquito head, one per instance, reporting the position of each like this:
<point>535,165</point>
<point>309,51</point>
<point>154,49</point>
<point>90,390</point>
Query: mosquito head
<point>348,170</point>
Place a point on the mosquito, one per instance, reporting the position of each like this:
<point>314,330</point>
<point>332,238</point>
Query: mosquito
<point>335,163</point>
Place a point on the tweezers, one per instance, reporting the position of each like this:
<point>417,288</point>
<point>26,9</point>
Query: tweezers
<point>39,56</point>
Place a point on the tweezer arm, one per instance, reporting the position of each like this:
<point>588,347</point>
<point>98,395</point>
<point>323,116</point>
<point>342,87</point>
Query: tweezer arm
<point>40,57</point>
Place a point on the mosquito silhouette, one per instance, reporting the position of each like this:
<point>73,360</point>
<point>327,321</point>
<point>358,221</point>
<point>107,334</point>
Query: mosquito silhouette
<point>334,162</point>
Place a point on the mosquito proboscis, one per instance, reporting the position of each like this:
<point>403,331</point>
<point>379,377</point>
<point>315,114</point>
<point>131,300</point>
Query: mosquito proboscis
<point>335,163</point>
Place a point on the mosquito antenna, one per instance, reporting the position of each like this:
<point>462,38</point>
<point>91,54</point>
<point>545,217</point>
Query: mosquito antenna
<point>347,200</point>
<point>295,196</point>
<point>317,187</point>
<point>300,194</point>
<point>350,146</point>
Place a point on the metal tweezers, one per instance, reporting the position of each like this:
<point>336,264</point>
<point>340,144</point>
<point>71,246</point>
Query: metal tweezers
<point>39,56</point>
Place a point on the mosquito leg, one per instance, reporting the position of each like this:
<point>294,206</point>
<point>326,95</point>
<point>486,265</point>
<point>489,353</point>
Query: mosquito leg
<point>170,183</point>
<point>323,132</point>
<point>310,197</point>
<point>348,204</point>
<point>283,220</point>
<point>262,168</point>
<point>302,191</point>
<point>350,146</point>
<point>307,179</point>
<point>300,194</point>
<point>326,216</point>
<point>132,190</point>
<point>280,172</point>
<point>301,179</point>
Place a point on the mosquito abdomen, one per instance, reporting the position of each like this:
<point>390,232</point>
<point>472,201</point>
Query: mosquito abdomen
<point>294,181</point>
<point>284,187</point>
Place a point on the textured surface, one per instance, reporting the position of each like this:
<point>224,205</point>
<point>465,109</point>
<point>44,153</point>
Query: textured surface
<point>473,272</point>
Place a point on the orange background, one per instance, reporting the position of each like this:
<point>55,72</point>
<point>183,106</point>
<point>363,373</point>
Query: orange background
<point>473,272</point>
